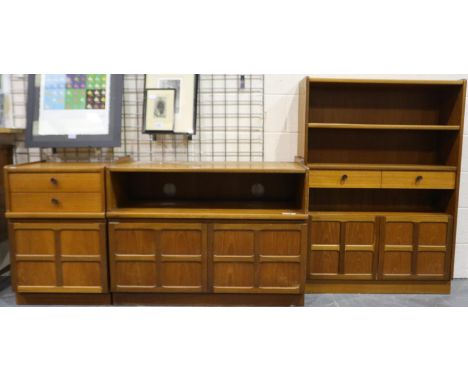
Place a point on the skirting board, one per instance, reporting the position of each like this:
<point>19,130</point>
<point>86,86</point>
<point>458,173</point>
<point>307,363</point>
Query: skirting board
<point>63,299</point>
<point>209,299</point>
<point>379,287</point>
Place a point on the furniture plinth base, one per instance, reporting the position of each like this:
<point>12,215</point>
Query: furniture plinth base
<point>378,287</point>
<point>63,299</point>
<point>208,299</point>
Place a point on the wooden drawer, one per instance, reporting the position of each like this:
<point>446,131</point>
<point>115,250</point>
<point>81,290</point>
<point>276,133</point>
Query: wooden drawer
<point>56,202</point>
<point>344,179</point>
<point>421,179</point>
<point>55,182</point>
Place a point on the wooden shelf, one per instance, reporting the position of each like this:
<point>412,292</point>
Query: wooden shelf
<point>382,167</point>
<point>374,126</point>
<point>213,213</point>
<point>6,130</point>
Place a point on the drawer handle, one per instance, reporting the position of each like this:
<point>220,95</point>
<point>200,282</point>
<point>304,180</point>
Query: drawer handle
<point>54,181</point>
<point>344,178</point>
<point>419,179</point>
<point>55,201</point>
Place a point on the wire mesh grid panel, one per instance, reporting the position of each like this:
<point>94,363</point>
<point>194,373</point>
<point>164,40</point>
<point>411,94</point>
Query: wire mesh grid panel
<point>229,124</point>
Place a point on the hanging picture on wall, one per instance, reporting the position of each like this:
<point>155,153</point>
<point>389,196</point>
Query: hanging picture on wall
<point>159,110</point>
<point>185,87</point>
<point>74,110</point>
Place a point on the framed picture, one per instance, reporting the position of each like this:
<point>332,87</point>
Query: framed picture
<point>185,101</point>
<point>74,110</point>
<point>159,109</point>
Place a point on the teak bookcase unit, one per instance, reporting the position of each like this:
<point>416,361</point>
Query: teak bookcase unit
<point>384,174</point>
<point>142,233</point>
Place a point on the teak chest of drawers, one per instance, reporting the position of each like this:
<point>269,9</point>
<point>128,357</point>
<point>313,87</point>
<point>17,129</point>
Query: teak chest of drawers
<point>135,233</point>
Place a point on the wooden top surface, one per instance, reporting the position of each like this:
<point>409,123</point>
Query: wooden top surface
<point>372,81</point>
<point>56,166</point>
<point>255,167</point>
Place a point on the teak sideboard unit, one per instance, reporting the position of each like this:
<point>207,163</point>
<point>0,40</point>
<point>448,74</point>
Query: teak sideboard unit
<point>207,233</point>
<point>175,234</point>
<point>384,174</point>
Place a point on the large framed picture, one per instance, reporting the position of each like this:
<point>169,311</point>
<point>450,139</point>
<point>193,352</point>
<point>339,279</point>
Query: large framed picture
<point>159,110</point>
<point>185,101</point>
<point>74,110</point>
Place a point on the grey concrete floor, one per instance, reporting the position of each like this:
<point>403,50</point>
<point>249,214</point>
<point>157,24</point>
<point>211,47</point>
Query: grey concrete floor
<point>458,298</point>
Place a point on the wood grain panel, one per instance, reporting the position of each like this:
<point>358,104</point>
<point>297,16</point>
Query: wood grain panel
<point>56,256</point>
<point>344,179</point>
<point>56,202</point>
<point>419,180</point>
<point>56,182</point>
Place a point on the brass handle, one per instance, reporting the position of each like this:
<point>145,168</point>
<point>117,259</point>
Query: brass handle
<point>419,179</point>
<point>54,201</point>
<point>54,181</point>
<point>344,178</point>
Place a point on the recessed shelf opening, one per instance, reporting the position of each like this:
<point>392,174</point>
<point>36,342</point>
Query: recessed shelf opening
<point>146,190</point>
<point>381,200</point>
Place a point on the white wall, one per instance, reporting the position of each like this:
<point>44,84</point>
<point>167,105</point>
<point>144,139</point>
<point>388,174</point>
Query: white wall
<point>281,134</point>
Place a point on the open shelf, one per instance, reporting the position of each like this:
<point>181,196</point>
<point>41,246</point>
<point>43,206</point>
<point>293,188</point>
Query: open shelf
<point>381,200</point>
<point>375,126</point>
<point>187,194</point>
<point>383,147</point>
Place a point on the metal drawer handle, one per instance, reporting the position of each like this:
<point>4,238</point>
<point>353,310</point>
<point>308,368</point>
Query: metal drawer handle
<point>344,178</point>
<point>54,181</point>
<point>54,201</point>
<point>419,179</point>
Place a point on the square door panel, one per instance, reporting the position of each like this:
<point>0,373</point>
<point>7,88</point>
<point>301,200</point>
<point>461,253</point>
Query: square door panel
<point>233,243</point>
<point>31,273</point>
<point>78,274</point>
<point>277,275</point>
<point>228,274</point>
<point>358,263</point>
<point>181,275</point>
<point>431,264</point>
<point>432,233</point>
<point>324,263</point>
<point>359,233</point>
<point>135,274</point>
<point>397,263</point>
<point>134,241</point>
<point>75,242</point>
<point>399,233</point>
<point>34,242</point>
<point>279,243</point>
<point>183,242</point>
<point>325,232</point>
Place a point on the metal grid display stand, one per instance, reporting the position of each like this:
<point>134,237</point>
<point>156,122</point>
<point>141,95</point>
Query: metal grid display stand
<point>230,124</point>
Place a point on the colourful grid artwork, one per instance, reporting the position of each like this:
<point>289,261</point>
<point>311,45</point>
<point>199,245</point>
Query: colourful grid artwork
<point>75,91</point>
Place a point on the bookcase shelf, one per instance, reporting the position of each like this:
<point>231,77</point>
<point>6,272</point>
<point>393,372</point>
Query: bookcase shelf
<point>384,172</point>
<point>375,126</point>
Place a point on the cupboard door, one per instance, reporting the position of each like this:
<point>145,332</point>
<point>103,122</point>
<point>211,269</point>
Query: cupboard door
<point>416,247</point>
<point>258,258</point>
<point>157,257</point>
<point>343,246</point>
<point>59,257</point>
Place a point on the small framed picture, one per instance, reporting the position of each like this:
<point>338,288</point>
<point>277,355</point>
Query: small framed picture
<point>159,113</point>
<point>186,89</point>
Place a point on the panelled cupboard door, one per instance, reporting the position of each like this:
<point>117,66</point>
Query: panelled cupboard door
<point>416,247</point>
<point>343,247</point>
<point>258,258</point>
<point>54,257</point>
<point>158,257</point>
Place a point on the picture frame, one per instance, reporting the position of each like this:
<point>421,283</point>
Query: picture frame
<point>62,112</point>
<point>186,91</point>
<point>159,111</point>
